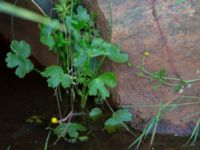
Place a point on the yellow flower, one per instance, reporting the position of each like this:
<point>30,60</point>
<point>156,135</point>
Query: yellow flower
<point>54,120</point>
<point>146,53</point>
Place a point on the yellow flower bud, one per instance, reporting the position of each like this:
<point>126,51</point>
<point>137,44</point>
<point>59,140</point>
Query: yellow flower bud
<point>54,120</point>
<point>146,53</point>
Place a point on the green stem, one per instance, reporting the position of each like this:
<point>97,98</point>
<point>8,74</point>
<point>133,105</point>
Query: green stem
<point>175,79</point>
<point>194,133</point>
<point>58,103</point>
<point>191,115</point>
<point>168,104</point>
<point>194,80</point>
<point>166,83</point>
<point>38,71</point>
<point>100,63</point>
<point>70,50</point>
<point>84,97</point>
<point>66,59</point>
<point>47,141</point>
<point>155,128</point>
<point>26,14</point>
<point>110,19</point>
<point>167,78</point>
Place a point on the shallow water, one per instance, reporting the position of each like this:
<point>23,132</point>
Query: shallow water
<point>22,98</point>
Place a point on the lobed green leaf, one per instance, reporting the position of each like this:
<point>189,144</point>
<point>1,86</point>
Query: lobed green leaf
<point>95,113</point>
<point>117,120</point>
<point>98,85</point>
<point>69,129</point>
<point>18,58</point>
<point>56,76</point>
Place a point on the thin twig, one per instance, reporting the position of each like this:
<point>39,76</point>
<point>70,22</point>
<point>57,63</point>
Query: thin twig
<point>40,9</point>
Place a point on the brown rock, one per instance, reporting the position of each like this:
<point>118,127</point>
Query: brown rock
<point>170,31</point>
<point>28,31</point>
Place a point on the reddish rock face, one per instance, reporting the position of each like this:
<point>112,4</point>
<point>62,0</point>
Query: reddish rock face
<point>170,31</point>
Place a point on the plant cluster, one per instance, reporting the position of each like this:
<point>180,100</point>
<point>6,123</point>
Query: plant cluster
<point>81,53</point>
<point>178,86</point>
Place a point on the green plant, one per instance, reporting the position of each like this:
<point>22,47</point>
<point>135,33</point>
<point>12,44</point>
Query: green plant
<point>161,110</point>
<point>178,85</point>
<point>18,58</point>
<point>162,77</point>
<point>81,53</point>
<point>193,138</point>
<point>116,121</point>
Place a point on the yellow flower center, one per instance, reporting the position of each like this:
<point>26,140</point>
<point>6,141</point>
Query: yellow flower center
<point>146,53</point>
<point>54,120</point>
